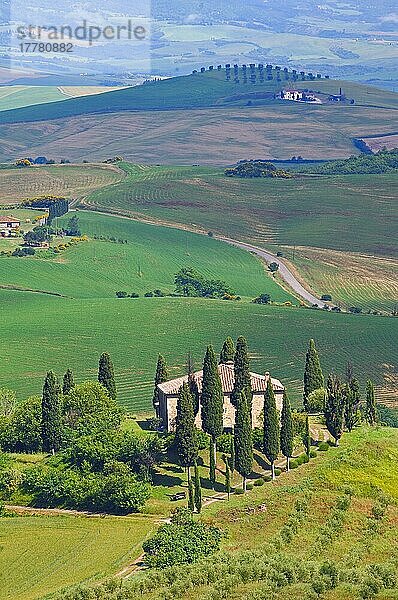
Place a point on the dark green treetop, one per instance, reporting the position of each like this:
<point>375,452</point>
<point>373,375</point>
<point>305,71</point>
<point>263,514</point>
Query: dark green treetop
<point>243,437</point>
<point>313,376</point>
<point>334,407</point>
<point>160,377</point>
<point>51,414</point>
<point>106,374</point>
<point>287,432</point>
<point>242,372</point>
<point>68,382</point>
<point>228,351</point>
<point>271,425</point>
<point>212,398</point>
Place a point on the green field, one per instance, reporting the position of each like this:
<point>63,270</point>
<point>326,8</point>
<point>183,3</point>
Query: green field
<point>40,554</point>
<point>370,282</point>
<point>64,180</point>
<point>150,259</point>
<point>42,332</point>
<point>354,213</point>
<point>19,96</point>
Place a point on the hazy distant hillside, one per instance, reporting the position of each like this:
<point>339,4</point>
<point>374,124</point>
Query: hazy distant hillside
<point>352,40</point>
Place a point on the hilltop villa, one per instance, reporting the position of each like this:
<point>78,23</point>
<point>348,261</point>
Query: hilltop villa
<point>8,226</point>
<point>166,409</point>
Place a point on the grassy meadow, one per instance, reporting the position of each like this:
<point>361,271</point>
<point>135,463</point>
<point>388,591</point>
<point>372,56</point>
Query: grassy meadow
<point>353,279</point>
<point>148,261</point>
<point>266,524</point>
<point>19,96</point>
<point>354,212</point>
<point>40,554</point>
<point>329,227</point>
<point>43,333</point>
<point>71,181</point>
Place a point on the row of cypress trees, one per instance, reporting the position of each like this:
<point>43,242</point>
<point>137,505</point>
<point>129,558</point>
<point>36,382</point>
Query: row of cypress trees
<point>51,423</point>
<point>276,437</point>
<point>341,400</point>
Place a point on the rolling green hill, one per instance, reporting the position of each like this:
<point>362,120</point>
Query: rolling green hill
<point>354,213</point>
<point>329,525</point>
<point>44,332</point>
<point>64,180</point>
<point>194,91</point>
<point>150,259</point>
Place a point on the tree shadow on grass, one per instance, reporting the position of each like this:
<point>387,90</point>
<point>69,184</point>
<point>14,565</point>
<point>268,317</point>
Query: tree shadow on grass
<point>261,462</point>
<point>166,480</point>
<point>206,484</point>
<point>173,468</point>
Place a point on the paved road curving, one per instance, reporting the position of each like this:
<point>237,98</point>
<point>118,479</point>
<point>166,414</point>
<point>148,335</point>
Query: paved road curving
<point>284,271</point>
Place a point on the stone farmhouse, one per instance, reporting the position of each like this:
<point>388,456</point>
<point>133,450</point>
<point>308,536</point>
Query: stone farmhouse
<point>168,394</point>
<point>9,226</point>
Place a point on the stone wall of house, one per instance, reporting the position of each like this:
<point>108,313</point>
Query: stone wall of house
<point>168,410</point>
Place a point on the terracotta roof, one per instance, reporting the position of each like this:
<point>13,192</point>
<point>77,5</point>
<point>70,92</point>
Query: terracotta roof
<point>9,220</point>
<point>259,382</point>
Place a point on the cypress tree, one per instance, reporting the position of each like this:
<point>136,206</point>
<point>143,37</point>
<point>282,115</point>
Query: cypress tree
<point>51,414</point>
<point>198,490</point>
<point>242,373</point>
<point>352,401</point>
<point>227,477</point>
<point>334,407</point>
<point>243,438</point>
<point>212,464</point>
<point>287,430</point>
<point>193,386</point>
<point>106,375</point>
<point>191,500</point>
<point>212,401</point>
<point>185,435</point>
<point>371,414</point>
<point>307,437</point>
<point>313,377</point>
<point>68,382</point>
<point>232,463</point>
<point>227,352</point>
<point>271,427</point>
<point>160,377</point>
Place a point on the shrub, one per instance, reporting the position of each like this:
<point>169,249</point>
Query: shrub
<point>313,454</point>
<point>323,447</point>
<point>267,478</point>
<point>239,491</point>
<point>293,464</point>
<point>262,299</point>
<point>278,472</point>
<point>259,482</point>
<point>181,541</point>
<point>249,486</point>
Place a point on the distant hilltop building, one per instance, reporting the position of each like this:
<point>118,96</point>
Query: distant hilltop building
<point>340,97</point>
<point>299,96</point>
<point>166,409</point>
<point>9,226</point>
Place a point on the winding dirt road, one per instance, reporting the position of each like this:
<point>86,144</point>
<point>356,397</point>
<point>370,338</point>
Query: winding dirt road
<point>284,271</point>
